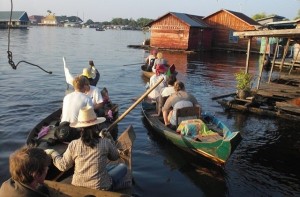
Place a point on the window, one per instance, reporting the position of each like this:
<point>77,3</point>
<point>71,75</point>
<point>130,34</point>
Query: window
<point>233,39</point>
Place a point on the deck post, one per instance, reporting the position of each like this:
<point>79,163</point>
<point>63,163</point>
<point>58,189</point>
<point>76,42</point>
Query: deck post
<point>274,58</point>
<point>284,54</point>
<point>262,66</point>
<point>248,55</point>
<point>294,62</point>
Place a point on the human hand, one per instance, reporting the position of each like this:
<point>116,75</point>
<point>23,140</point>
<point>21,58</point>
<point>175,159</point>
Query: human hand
<point>49,151</point>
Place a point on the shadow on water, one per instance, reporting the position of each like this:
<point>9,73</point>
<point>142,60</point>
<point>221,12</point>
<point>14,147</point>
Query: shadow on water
<point>208,177</point>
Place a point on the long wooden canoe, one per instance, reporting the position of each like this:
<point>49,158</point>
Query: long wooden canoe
<point>147,74</point>
<point>59,183</point>
<point>217,148</point>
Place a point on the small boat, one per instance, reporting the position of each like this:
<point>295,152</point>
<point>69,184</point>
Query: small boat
<point>100,29</point>
<point>216,147</point>
<point>147,74</point>
<point>59,183</point>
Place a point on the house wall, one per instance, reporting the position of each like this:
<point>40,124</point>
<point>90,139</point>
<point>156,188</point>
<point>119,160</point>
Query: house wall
<point>170,33</point>
<point>224,25</point>
<point>200,39</point>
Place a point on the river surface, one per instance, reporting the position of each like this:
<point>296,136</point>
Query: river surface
<point>266,163</point>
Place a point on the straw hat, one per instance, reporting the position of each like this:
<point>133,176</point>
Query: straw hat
<point>87,72</point>
<point>86,118</point>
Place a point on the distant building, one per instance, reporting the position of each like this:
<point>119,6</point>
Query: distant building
<point>19,20</point>
<point>270,19</point>
<point>224,23</point>
<point>180,31</point>
<point>73,21</point>
<point>35,19</point>
<point>49,20</point>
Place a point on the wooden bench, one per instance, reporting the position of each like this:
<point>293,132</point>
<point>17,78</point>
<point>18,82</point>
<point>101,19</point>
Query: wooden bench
<point>187,113</point>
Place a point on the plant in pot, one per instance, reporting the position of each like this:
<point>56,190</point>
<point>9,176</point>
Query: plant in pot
<point>243,84</point>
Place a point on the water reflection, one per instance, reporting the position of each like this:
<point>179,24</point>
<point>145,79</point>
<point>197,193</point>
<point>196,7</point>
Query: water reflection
<point>208,177</point>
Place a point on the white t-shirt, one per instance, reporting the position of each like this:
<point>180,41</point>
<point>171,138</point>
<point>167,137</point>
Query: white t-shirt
<point>95,95</point>
<point>153,80</point>
<point>167,91</point>
<point>72,103</point>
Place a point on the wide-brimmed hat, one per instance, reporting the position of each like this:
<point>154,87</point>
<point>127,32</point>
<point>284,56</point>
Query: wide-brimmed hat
<point>87,72</point>
<point>87,117</point>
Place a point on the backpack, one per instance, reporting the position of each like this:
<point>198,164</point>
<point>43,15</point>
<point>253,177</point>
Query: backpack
<point>65,133</point>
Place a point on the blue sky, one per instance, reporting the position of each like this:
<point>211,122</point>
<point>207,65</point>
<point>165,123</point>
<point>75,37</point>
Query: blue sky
<point>106,10</point>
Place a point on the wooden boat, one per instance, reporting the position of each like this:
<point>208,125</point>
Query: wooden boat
<point>149,74</point>
<point>100,29</point>
<point>146,74</point>
<point>216,148</point>
<point>59,182</point>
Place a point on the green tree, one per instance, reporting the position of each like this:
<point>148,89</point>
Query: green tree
<point>88,22</point>
<point>141,22</point>
<point>259,16</point>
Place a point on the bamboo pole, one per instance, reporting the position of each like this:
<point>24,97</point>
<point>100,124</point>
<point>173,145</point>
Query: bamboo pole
<point>134,105</point>
<point>294,62</point>
<point>262,66</point>
<point>273,61</point>
<point>248,55</point>
<point>284,55</point>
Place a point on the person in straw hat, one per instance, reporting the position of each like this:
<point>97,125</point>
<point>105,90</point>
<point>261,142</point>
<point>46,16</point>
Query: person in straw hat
<point>91,73</point>
<point>90,154</point>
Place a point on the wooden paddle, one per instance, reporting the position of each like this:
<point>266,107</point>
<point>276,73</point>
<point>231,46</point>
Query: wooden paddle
<point>133,64</point>
<point>133,105</point>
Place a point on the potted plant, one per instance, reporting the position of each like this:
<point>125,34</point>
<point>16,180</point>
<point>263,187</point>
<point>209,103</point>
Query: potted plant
<point>243,84</point>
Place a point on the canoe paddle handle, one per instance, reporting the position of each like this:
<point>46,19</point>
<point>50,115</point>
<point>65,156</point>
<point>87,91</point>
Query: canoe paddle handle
<point>134,105</point>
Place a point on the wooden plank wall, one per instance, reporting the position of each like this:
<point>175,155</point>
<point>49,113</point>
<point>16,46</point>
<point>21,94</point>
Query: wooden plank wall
<point>170,32</point>
<point>223,23</point>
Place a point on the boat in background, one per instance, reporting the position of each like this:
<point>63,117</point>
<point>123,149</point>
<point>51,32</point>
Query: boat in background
<point>100,29</point>
<point>216,147</point>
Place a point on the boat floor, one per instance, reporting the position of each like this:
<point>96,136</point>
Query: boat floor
<point>152,115</point>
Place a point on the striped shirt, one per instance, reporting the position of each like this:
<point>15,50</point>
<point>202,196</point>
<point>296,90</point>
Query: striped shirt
<point>90,163</point>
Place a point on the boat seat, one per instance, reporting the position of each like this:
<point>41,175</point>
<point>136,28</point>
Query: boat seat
<point>187,113</point>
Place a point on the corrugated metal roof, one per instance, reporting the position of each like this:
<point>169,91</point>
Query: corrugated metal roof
<point>191,20</point>
<point>16,15</point>
<point>245,18</point>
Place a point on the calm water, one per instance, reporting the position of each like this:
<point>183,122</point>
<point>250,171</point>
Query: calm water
<point>264,164</point>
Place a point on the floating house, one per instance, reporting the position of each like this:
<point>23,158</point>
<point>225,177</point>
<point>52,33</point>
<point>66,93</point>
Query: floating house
<point>224,23</point>
<point>180,31</point>
<point>35,19</point>
<point>49,20</point>
<point>19,20</point>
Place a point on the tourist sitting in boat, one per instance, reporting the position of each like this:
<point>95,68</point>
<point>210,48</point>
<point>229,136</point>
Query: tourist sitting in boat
<point>94,93</point>
<point>165,93</point>
<point>91,73</point>
<point>149,61</point>
<point>74,101</point>
<point>160,73</point>
<point>159,61</point>
<point>28,167</point>
<point>177,100</point>
<point>90,155</point>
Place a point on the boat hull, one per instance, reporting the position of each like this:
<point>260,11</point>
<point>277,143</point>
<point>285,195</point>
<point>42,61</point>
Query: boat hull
<point>218,150</point>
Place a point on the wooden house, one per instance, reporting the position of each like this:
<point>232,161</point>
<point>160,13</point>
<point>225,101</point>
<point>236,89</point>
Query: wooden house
<point>224,23</point>
<point>19,20</point>
<point>35,19</point>
<point>180,31</point>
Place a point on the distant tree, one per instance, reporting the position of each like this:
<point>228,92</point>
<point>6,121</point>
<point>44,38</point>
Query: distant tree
<point>143,21</point>
<point>106,23</point>
<point>259,16</point>
<point>297,17</point>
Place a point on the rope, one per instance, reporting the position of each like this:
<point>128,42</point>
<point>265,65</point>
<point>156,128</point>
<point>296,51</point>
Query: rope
<point>9,53</point>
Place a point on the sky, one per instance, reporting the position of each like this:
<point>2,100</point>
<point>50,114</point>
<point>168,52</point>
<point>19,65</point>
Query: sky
<point>106,10</point>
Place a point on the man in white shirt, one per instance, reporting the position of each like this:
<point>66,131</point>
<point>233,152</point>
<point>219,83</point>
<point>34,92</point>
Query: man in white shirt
<point>74,101</point>
<point>97,99</point>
